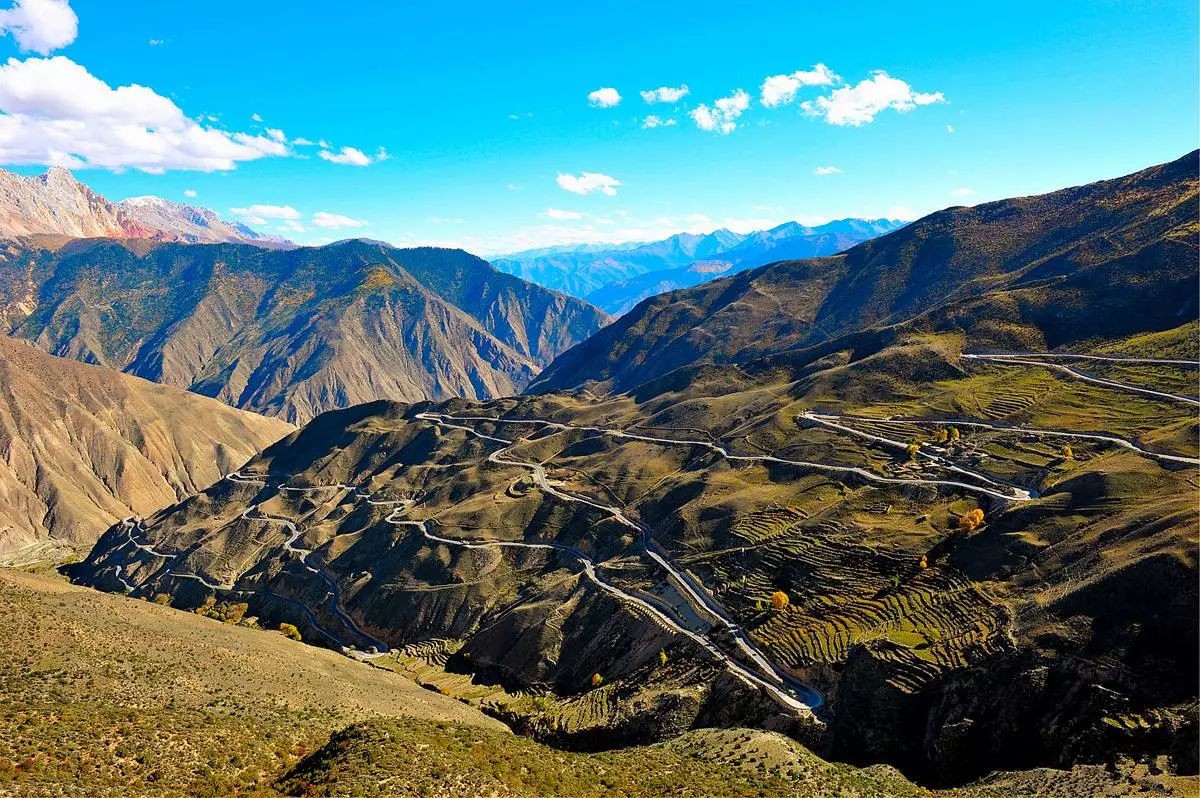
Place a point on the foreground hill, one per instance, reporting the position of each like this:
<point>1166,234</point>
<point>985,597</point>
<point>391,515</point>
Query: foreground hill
<point>83,447</point>
<point>59,205</point>
<point>290,333</point>
<point>167,718</point>
<point>617,278</point>
<point>1120,254</point>
<point>888,547</point>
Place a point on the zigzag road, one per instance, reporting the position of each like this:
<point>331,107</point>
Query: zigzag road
<point>1036,359</point>
<point>954,422</point>
<point>782,685</point>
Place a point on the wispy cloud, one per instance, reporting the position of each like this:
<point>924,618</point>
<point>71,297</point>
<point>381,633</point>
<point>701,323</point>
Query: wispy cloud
<point>190,193</point>
<point>666,94</point>
<point>963,192</point>
<point>347,156</point>
<point>588,183</point>
<point>780,90</point>
<point>335,221</point>
<point>827,170</point>
<point>560,215</point>
<point>260,214</point>
<point>653,121</point>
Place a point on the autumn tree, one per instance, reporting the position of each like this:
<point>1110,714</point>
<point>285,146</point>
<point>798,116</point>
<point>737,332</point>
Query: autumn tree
<point>941,435</point>
<point>289,631</point>
<point>924,562</point>
<point>1068,453</point>
<point>954,434</point>
<point>779,600</point>
<point>662,657</point>
<point>912,450</point>
<point>597,680</point>
<point>971,520</point>
<point>235,612</point>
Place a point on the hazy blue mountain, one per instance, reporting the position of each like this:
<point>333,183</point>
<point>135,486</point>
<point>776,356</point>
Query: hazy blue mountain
<point>615,280</point>
<point>617,277</point>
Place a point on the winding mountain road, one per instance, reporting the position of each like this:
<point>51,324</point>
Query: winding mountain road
<point>1010,493</point>
<point>1047,433</point>
<point>1037,360</point>
<point>781,684</point>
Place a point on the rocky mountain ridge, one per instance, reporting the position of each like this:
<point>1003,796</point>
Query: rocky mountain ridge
<point>292,332</point>
<point>57,204</point>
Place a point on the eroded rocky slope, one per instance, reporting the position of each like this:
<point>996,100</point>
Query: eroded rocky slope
<point>82,447</point>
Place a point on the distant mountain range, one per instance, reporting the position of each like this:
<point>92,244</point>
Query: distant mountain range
<point>292,332</point>
<point>57,204</point>
<point>615,278</point>
<point>992,257</point>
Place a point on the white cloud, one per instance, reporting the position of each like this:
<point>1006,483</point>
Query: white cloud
<point>949,128</point>
<point>666,94</point>
<point>561,215</point>
<point>277,135</point>
<point>722,117</point>
<point>827,170</point>
<point>653,121</point>
<point>256,214</point>
<point>291,227</point>
<point>190,193</point>
<point>781,89</point>
<point>589,183</point>
<point>857,105</point>
<point>303,142</point>
<point>604,98</point>
<point>335,221</point>
<point>256,117</point>
<point>53,111</point>
<point>157,42</point>
<point>40,26</point>
<point>349,156</point>
<point>963,192</point>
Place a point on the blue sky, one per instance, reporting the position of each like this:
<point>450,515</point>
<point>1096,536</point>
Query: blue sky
<point>474,126</point>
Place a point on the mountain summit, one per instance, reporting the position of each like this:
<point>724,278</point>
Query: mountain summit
<point>57,204</point>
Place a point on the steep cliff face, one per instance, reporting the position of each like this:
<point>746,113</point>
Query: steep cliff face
<point>82,447</point>
<point>57,204</point>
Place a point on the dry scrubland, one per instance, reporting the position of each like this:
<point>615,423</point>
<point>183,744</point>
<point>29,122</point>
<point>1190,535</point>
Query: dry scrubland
<point>115,697</point>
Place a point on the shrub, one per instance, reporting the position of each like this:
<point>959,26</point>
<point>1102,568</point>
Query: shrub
<point>290,631</point>
<point>597,680</point>
<point>779,600</point>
